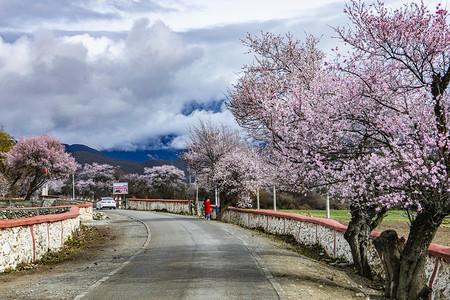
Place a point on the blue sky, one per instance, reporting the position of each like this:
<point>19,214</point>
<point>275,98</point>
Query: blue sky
<point>125,75</point>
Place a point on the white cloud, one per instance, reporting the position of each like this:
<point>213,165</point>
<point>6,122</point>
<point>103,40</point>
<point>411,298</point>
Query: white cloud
<point>121,74</point>
<point>102,92</point>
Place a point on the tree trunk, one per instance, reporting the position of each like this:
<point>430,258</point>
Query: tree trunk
<point>412,281</point>
<point>389,248</point>
<point>404,263</point>
<point>357,235</point>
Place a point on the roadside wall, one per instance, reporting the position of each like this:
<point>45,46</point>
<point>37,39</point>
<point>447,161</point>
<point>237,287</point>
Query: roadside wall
<point>173,206</point>
<point>330,235</point>
<point>27,240</point>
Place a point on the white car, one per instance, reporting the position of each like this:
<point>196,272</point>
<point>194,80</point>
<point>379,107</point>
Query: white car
<point>106,202</point>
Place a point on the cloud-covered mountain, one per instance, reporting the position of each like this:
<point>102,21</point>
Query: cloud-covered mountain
<point>86,155</point>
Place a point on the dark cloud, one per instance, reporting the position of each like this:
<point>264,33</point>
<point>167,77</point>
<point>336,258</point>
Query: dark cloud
<point>18,14</point>
<point>128,89</point>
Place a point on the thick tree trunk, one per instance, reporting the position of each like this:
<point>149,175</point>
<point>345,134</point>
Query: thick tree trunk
<point>358,234</point>
<point>404,263</point>
<point>412,281</point>
<point>389,248</point>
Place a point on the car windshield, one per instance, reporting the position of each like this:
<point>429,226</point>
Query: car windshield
<point>107,198</point>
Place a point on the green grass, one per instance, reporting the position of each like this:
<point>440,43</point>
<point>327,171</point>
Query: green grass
<point>343,216</point>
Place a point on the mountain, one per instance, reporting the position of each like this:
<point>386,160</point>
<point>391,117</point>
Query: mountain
<point>145,155</point>
<point>86,155</point>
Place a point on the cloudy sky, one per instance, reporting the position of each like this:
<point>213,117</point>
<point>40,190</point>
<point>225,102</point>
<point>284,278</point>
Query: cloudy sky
<point>135,74</point>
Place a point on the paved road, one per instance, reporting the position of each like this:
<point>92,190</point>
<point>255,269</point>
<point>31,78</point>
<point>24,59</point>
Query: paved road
<point>186,258</point>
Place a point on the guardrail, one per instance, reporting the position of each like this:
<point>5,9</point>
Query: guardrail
<point>28,239</point>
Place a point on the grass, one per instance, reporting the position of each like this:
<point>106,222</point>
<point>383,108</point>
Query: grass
<point>74,244</point>
<point>343,216</point>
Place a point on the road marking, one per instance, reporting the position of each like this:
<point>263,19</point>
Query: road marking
<point>95,285</point>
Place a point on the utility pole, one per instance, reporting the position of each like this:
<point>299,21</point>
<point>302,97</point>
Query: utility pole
<point>274,198</point>
<point>257,198</point>
<point>196,198</point>
<point>217,202</point>
<point>328,204</point>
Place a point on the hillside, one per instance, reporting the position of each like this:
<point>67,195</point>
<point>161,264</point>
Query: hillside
<point>86,155</point>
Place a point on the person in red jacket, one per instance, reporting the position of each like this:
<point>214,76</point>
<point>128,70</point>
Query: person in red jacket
<point>207,209</point>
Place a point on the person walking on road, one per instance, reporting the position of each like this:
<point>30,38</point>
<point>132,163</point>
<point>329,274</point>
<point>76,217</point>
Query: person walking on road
<point>207,208</point>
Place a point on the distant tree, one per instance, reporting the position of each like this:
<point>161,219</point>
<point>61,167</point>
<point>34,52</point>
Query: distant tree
<point>6,144</point>
<point>55,187</point>
<point>219,158</point>
<point>165,181</point>
<point>96,180</point>
<point>137,185</point>
<point>207,143</point>
<point>35,160</point>
<point>238,175</point>
<point>4,185</point>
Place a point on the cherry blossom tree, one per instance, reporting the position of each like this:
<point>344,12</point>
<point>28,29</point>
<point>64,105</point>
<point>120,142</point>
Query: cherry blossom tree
<point>219,158</point>
<point>399,71</point>
<point>137,185</point>
<point>166,181</point>
<point>35,160</point>
<point>96,180</point>
<point>289,100</point>
<point>371,125</point>
<point>207,144</point>
<point>238,175</point>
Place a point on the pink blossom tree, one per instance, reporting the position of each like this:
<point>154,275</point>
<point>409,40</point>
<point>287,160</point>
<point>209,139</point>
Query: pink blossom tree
<point>372,126</point>
<point>137,185</point>
<point>238,175</point>
<point>219,158</point>
<point>399,72</point>
<point>96,180</point>
<point>4,185</point>
<point>207,144</point>
<point>35,160</point>
<point>291,101</point>
<point>166,181</point>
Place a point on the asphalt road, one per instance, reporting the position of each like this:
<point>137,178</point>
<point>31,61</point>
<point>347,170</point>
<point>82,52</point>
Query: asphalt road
<point>186,258</point>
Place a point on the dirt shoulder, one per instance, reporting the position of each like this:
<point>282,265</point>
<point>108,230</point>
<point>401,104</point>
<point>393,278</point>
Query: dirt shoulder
<point>301,277</point>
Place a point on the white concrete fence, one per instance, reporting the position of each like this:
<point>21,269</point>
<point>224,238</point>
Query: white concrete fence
<point>27,240</point>
<point>185,207</point>
<point>329,234</point>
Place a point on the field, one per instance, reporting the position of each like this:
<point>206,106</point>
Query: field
<point>395,219</point>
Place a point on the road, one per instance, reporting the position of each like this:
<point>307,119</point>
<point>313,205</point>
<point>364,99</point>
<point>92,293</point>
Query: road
<point>148,255</point>
<point>187,258</point>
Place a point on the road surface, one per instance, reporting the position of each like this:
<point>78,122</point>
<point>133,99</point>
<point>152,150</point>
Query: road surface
<point>187,258</point>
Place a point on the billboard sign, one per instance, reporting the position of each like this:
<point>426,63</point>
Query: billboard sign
<point>120,188</point>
